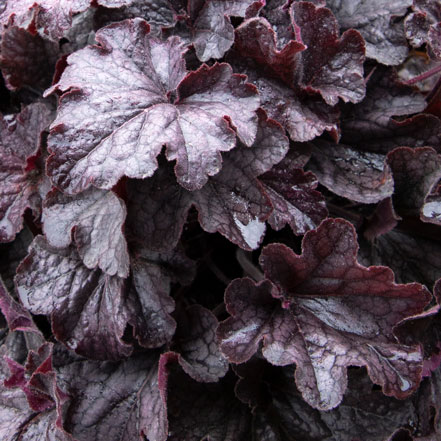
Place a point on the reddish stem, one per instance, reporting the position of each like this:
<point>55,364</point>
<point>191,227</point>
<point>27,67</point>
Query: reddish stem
<point>424,75</point>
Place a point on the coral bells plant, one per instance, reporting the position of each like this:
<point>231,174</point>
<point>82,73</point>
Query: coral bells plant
<point>220,220</point>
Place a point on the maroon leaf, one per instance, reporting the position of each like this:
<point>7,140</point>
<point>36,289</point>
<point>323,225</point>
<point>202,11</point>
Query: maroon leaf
<point>130,128</point>
<point>423,25</point>
<point>303,116</point>
<point>157,13</point>
<point>18,420</point>
<point>332,66</point>
<point>16,316</point>
<point>19,184</point>
<point>412,258</point>
<point>379,24</point>
<point>213,31</point>
<point>27,59</point>
<point>294,198</point>
<point>90,310</point>
<point>232,202</point>
<point>311,61</point>
<point>418,131</point>
<point>359,176</point>
<point>205,411</point>
<point>309,327</point>
<point>97,218</point>
<point>86,306</point>
<point>415,173</point>
<point>53,16</point>
<point>114,400</point>
<point>199,354</point>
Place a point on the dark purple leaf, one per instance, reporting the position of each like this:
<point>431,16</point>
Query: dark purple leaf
<point>97,218</point>
<point>412,258</point>
<point>332,66</point>
<point>130,128</point>
<point>157,13</point>
<point>423,25</point>
<point>363,414</point>
<point>385,97</point>
<point>114,401</point>
<point>418,131</point>
<point>87,307</point>
<point>16,316</point>
<point>205,411</point>
<point>150,304</point>
<point>232,202</point>
<point>324,293</point>
<point>294,198</point>
<point>195,341</point>
<point>379,23</point>
<point>213,31</point>
<point>18,420</point>
<point>19,184</point>
<point>27,59</point>
<point>415,173</point>
<point>319,61</point>
<point>303,116</point>
<point>359,176</point>
<point>383,220</point>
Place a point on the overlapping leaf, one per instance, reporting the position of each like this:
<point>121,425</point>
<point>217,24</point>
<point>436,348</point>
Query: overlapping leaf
<point>27,59</point>
<point>124,133</point>
<point>359,176</point>
<point>19,184</point>
<point>97,218</point>
<point>90,309</point>
<point>232,202</point>
<point>424,25</point>
<point>380,23</point>
<point>309,327</point>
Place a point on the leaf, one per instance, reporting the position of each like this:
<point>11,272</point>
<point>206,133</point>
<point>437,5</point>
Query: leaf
<point>359,176</point>
<point>418,131</point>
<point>324,293</point>
<point>199,354</point>
<point>303,117</point>
<point>200,411</point>
<point>54,16</point>
<point>157,13</point>
<point>27,59</point>
<point>232,202</point>
<point>363,414</point>
<point>130,127</point>
<point>16,316</point>
<point>379,24</point>
<point>114,400</point>
<point>89,309</point>
<point>423,25</point>
<point>19,185</point>
<point>213,31</point>
<point>97,219</point>
<point>318,61</point>
<point>411,257</point>
<point>415,173</point>
<point>294,198</point>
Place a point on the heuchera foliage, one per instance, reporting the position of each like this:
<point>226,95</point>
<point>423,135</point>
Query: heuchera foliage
<point>220,220</point>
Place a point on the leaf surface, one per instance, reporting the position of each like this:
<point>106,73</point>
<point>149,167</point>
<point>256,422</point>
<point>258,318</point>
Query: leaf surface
<point>123,134</point>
